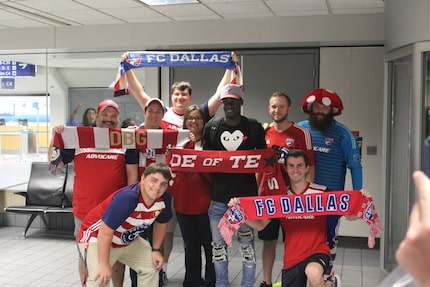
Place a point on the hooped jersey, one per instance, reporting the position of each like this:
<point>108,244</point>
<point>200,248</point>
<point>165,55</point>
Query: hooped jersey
<point>172,120</point>
<point>127,214</point>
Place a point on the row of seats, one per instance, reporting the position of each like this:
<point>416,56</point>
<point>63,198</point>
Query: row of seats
<point>46,193</point>
<point>21,122</point>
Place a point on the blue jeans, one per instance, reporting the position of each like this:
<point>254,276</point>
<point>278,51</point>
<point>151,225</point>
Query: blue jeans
<point>245,236</point>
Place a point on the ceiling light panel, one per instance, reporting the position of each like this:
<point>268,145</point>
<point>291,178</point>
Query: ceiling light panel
<point>167,2</point>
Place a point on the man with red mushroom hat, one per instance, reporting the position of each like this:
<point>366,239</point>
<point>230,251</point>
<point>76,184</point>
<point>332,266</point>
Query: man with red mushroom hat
<point>335,150</point>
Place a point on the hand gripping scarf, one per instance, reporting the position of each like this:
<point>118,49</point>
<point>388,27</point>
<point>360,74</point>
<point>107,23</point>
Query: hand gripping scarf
<point>142,59</point>
<point>295,206</point>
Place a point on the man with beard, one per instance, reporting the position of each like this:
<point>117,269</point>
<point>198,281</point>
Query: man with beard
<point>284,133</point>
<point>335,150</point>
<point>98,174</point>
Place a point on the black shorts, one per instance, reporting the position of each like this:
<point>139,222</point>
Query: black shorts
<point>295,276</point>
<point>271,231</point>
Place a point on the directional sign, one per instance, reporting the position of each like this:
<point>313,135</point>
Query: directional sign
<point>16,69</point>
<point>8,84</point>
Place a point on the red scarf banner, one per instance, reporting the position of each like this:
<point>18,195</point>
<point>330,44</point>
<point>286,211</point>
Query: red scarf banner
<point>242,161</point>
<point>109,138</point>
<point>299,206</point>
<point>105,138</point>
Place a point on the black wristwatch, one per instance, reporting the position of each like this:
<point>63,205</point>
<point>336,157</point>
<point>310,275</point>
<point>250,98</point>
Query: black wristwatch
<point>156,249</point>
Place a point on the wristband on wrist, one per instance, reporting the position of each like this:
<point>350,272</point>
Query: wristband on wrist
<point>156,249</point>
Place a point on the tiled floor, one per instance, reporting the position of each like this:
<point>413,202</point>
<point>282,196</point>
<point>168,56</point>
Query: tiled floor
<point>49,258</point>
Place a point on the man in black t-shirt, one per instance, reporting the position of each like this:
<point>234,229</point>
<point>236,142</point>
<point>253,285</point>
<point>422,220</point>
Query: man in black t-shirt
<point>232,132</point>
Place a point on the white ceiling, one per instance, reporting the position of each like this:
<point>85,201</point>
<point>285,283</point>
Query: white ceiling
<point>21,14</point>
<point>16,14</point>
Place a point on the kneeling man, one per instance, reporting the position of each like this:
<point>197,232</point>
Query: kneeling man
<point>110,231</point>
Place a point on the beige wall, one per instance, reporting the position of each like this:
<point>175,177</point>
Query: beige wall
<point>406,22</point>
<point>357,75</point>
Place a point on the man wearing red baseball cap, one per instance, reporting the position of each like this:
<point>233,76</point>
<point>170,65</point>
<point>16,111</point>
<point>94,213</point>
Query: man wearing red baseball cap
<point>99,173</point>
<point>107,103</point>
<point>335,150</point>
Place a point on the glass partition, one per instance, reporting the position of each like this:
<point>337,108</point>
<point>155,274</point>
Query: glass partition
<point>426,108</point>
<point>399,139</point>
<point>40,89</point>
<point>24,115</point>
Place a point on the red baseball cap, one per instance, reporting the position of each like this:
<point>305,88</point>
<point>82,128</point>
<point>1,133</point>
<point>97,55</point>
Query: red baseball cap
<point>107,103</point>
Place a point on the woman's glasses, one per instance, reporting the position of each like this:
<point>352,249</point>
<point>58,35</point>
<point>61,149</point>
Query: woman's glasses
<point>190,119</point>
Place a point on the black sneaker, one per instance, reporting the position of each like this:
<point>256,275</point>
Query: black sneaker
<point>264,284</point>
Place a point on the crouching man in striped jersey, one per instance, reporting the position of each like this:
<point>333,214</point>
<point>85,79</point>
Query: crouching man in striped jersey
<point>110,231</point>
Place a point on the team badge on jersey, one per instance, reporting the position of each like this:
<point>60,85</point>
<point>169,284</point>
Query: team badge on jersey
<point>289,142</point>
<point>328,141</point>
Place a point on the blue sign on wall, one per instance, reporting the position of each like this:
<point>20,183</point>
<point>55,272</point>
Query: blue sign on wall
<point>16,69</point>
<point>8,84</point>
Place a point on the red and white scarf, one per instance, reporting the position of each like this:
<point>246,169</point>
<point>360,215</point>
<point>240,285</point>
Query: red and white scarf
<point>315,204</point>
<point>109,138</point>
<point>105,138</point>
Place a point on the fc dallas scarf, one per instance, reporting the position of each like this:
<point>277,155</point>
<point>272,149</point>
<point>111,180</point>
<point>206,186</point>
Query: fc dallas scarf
<point>105,138</point>
<point>242,161</point>
<point>141,59</point>
<point>299,206</point>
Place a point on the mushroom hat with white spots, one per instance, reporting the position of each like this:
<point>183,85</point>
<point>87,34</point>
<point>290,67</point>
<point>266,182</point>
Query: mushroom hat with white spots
<point>323,97</point>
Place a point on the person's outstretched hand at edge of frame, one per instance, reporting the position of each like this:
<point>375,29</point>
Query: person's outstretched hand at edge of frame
<point>413,253</point>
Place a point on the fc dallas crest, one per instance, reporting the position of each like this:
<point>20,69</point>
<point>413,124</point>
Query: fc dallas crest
<point>328,141</point>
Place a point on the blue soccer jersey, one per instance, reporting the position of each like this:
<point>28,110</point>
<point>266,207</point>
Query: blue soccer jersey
<point>335,150</point>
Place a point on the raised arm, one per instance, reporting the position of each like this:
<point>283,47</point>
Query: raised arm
<point>71,119</point>
<point>135,86</point>
<point>214,102</point>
